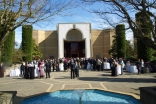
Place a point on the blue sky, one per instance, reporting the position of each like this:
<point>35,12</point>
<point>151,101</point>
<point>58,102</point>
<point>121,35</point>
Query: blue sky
<point>79,15</point>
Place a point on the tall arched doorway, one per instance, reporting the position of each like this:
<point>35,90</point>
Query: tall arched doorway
<point>74,44</point>
<point>71,35</point>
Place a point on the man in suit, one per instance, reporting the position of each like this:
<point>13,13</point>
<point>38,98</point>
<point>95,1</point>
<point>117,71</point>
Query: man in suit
<point>48,68</point>
<point>22,68</point>
<point>72,69</point>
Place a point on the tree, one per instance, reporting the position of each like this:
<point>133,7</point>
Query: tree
<point>124,12</point>
<point>18,56</point>
<point>144,51</point>
<point>27,42</point>
<point>113,50</point>
<point>154,54</point>
<point>8,49</point>
<point>29,47</point>
<point>121,41</point>
<point>130,49</point>
<point>35,50</point>
<point>16,13</point>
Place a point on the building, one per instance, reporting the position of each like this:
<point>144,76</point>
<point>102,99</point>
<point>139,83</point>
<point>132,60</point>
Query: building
<point>74,40</point>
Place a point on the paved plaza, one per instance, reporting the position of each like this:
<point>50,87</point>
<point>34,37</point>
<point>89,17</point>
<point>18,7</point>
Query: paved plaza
<point>127,83</point>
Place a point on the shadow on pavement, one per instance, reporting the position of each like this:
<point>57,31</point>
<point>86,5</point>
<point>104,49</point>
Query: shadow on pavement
<point>116,79</point>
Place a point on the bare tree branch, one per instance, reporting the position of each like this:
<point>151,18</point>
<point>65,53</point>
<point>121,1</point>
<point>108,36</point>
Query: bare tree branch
<point>15,13</point>
<point>124,11</point>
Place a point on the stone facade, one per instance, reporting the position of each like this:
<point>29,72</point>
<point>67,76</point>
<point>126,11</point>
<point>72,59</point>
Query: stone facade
<point>100,41</point>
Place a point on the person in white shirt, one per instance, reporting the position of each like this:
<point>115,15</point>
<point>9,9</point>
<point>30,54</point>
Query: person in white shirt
<point>142,66</point>
<point>127,65</point>
<point>122,65</point>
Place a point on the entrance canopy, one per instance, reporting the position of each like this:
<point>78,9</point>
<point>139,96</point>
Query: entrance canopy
<point>74,32</point>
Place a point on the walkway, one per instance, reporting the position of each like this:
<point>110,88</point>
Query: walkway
<point>128,83</point>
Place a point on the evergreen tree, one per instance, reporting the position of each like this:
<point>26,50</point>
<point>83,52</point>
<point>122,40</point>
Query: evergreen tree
<point>121,41</point>
<point>18,56</point>
<point>27,42</point>
<point>113,50</point>
<point>130,49</point>
<point>35,50</point>
<point>144,51</point>
<point>7,52</point>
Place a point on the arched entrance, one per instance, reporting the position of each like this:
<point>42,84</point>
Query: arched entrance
<point>74,45</point>
<point>70,34</point>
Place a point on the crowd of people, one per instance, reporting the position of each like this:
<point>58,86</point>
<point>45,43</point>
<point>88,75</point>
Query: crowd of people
<point>74,64</point>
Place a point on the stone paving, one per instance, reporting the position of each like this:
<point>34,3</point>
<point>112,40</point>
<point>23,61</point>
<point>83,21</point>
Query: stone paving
<point>127,83</point>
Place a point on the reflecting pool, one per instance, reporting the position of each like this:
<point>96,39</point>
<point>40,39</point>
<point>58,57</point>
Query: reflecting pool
<point>81,97</point>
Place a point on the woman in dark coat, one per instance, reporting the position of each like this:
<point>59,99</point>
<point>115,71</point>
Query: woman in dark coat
<point>113,68</point>
<point>65,64</point>
<point>26,74</point>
